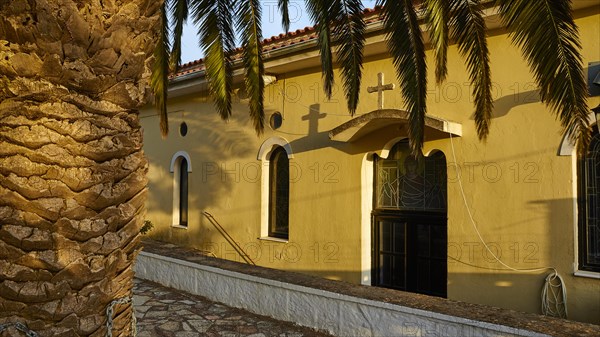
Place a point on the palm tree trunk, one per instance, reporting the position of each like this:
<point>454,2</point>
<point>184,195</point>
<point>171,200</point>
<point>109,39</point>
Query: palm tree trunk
<point>73,75</point>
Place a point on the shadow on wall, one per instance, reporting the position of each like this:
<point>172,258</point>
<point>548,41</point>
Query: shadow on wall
<point>315,139</point>
<point>507,290</point>
<point>583,293</point>
<point>522,94</point>
<point>496,285</point>
<point>561,230</point>
<point>503,105</point>
<point>211,143</point>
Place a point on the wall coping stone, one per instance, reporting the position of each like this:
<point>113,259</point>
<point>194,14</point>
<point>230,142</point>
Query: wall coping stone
<point>468,311</point>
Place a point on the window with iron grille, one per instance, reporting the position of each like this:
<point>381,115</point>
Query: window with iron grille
<point>589,206</point>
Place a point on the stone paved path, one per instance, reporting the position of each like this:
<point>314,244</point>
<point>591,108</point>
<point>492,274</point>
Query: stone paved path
<point>167,312</point>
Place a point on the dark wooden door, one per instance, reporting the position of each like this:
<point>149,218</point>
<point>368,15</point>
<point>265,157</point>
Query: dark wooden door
<point>409,225</point>
<point>410,251</point>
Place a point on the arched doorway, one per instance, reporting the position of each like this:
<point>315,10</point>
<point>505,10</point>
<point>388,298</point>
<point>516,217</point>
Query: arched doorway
<point>409,222</point>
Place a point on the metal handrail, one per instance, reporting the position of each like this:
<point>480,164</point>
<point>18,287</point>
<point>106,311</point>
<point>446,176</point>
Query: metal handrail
<point>229,239</point>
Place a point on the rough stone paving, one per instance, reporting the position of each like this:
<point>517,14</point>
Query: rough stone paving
<point>162,311</point>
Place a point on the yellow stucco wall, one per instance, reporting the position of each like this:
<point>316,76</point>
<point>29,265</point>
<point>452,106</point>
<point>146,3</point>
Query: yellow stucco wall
<point>519,191</point>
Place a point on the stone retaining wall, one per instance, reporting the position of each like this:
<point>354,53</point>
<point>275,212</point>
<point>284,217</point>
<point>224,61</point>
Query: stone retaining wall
<point>340,308</point>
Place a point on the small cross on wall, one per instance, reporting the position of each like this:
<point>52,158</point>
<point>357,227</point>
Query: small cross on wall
<point>380,88</point>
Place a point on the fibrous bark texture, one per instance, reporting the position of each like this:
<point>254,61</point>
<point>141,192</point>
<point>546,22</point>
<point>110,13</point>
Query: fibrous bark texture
<point>73,75</point>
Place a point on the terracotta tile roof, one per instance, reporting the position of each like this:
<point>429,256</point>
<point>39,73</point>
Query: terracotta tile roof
<point>273,43</point>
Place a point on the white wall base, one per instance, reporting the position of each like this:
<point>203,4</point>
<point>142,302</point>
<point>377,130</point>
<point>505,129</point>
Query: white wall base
<point>339,314</point>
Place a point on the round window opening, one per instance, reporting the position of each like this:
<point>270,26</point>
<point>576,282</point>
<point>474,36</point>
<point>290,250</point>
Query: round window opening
<point>276,120</point>
<point>183,129</point>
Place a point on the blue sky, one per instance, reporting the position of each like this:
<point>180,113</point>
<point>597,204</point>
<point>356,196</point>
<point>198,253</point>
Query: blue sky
<point>271,21</point>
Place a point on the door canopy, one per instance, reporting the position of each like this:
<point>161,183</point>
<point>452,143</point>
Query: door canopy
<point>356,128</point>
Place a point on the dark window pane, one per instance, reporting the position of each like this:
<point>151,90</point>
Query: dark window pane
<point>183,192</point>
<point>399,274</point>
<point>435,182</point>
<point>423,241</point>
<point>183,129</point>
<point>424,274</point>
<point>276,120</point>
<point>439,275</point>
<point>399,237</point>
<point>385,236</point>
<point>386,270</point>
<point>279,193</point>
<point>404,183</point>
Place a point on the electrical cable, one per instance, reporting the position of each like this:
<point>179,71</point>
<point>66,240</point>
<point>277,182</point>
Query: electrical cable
<point>554,283</point>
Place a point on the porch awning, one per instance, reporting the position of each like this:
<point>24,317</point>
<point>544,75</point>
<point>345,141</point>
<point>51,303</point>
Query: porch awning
<point>356,128</point>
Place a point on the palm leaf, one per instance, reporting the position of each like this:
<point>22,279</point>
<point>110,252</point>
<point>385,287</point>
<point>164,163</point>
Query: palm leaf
<point>406,46</point>
<point>159,80</point>
<point>319,12</point>
<point>468,29</point>
<point>179,10</point>
<point>249,14</point>
<point>284,6</point>
<point>437,16</point>
<point>218,41</point>
<point>348,32</point>
<point>547,34</point>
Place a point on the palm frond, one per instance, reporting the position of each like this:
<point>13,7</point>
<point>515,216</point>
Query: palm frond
<point>249,14</point>
<point>547,34</point>
<point>406,46</point>
<point>319,12</point>
<point>179,10</point>
<point>468,29</point>
<point>284,6</point>
<point>217,38</point>
<point>349,36</point>
<point>437,16</point>
<point>159,80</point>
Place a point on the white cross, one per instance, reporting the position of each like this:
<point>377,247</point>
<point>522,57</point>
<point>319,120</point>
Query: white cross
<point>380,88</point>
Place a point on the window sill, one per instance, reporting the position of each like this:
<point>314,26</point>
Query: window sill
<point>178,226</point>
<point>588,274</point>
<point>270,238</point>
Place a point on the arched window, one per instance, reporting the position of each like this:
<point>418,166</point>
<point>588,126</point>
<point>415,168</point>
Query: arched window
<point>275,154</point>
<point>183,192</point>
<point>180,167</point>
<point>589,206</point>
<point>279,193</point>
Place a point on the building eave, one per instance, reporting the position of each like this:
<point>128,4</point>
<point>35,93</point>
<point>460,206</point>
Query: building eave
<point>301,52</point>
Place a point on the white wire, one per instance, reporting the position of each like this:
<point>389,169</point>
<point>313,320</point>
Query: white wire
<point>547,303</point>
<point>552,306</point>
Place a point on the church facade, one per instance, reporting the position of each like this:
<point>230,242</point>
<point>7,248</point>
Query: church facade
<point>338,196</point>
